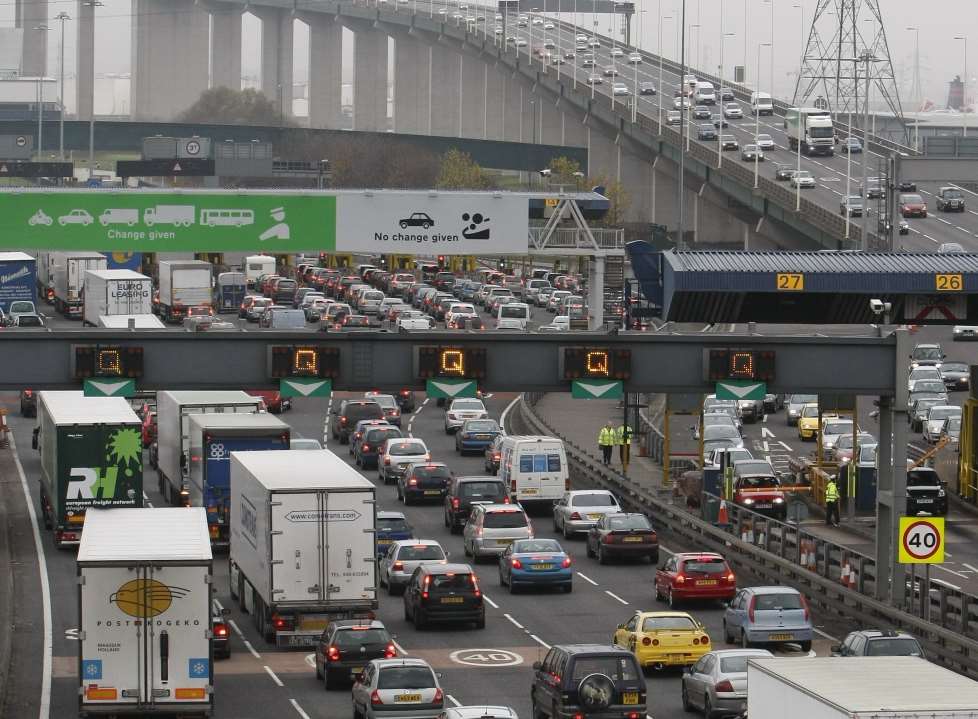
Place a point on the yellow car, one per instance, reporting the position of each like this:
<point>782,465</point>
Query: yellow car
<point>808,422</point>
<point>661,639</point>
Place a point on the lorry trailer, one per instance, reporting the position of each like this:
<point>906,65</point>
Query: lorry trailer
<point>183,285</point>
<point>116,292</point>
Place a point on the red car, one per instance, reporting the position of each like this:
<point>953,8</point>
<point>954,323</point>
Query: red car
<point>274,402</point>
<point>695,575</point>
<point>149,428</point>
<point>912,205</point>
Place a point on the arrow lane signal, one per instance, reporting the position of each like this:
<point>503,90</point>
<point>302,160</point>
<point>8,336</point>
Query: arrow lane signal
<point>765,432</point>
<point>451,389</point>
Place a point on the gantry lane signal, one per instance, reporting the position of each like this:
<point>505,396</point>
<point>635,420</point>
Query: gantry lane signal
<point>285,361</point>
<point>92,361</point>
<point>595,363</point>
<point>446,361</point>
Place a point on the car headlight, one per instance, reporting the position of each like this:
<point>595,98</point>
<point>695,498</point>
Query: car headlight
<point>914,365</point>
<point>748,501</point>
<point>779,500</point>
<point>941,493</point>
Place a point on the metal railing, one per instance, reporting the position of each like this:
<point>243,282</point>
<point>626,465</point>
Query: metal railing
<point>577,239</point>
<point>835,578</point>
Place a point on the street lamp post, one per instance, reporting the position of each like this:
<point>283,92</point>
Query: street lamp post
<point>916,98</point>
<point>723,38</point>
<point>680,239</point>
<point>40,105</point>
<point>867,57</point>
<point>757,119</point>
<point>964,87</point>
<point>91,119</point>
<point>771,86</point>
<point>62,16</point>
<point>659,88</point>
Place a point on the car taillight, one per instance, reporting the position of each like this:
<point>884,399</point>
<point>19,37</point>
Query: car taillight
<point>506,500</point>
<point>475,584</point>
<point>516,564</point>
<point>439,697</point>
<point>731,578</point>
<point>342,420</point>
<point>724,686</point>
<point>398,566</point>
<point>375,698</point>
<point>496,456</point>
<point>455,503</point>
<point>575,516</point>
<point>609,539</point>
<point>680,579</point>
<point>387,461</point>
<point>220,630</point>
<point>750,609</point>
<point>427,457</point>
<point>333,654</point>
<point>390,651</point>
<point>804,605</point>
<point>28,393</point>
<point>424,589</point>
<point>566,563</point>
<point>646,642</point>
<point>452,416</point>
<point>281,623</point>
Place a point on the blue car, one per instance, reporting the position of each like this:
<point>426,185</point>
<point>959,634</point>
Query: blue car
<point>391,526</point>
<point>535,563</point>
<point>768,615</point>
<point>475,435</point>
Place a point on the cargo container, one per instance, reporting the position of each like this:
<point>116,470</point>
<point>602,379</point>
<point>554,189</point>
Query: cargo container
<point>68,278</point>
<point>256,265</point>
<point>116,292</point>
<point>212,439</point>
<point>139,322</point>
<point>857,688</point>
<point>144,602</point>
<point>303,526</point>
<point>229,291</point>
<point>183,285</point>
<point>91,456</point>
<point>18,278</point>
<point>170,453</point>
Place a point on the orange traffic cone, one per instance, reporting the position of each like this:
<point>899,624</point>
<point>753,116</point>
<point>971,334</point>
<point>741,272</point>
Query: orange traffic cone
<point>723,517</point>
<point>844,578</point>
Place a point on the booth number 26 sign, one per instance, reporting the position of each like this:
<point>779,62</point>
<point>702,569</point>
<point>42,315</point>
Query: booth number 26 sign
<point>921,540</point>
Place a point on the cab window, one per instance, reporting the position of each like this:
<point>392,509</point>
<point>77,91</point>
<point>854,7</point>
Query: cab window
<point>617,668</point>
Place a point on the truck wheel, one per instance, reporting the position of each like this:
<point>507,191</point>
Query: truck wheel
<point>806,646</point>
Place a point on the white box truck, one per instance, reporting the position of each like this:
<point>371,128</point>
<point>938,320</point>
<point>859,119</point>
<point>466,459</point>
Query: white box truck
<point>116,292</point>
<point>170,454</point>
<point>857,688</point>
<point>812,128</point>
<point>256,265</point>
<point>184,285</point>
<point>139,322</point>
<point>144,599</point>
<point>302,553</point>
<point>67,270</point>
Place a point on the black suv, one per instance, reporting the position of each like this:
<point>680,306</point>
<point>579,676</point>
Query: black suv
<point>428,480</point>
<point>466,491</point>
<point>351,411</point>
<point>444,593</point>
<point>576,679</point>
<point>367,449</point>
<point>925,492</point>
<point>878,643</point>
<point>347,646</point>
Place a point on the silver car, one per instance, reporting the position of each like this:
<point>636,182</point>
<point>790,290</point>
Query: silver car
<point>403,557</point>
<point>718,681</point>
<point>479,712</point>
<point>580,509</point>
<point>492,528</point>
<point>832,429</point>
<point>397,455</point>
<point>795,403</point>
<point>407,683</point>
<point>936,417</point>
<point>462,409</point>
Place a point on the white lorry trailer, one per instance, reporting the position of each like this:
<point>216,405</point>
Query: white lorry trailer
<point>184,285</point>
<point>139,322</point>
<point>857,688</point>
<point>170,454</point>
<point>812,128</point>
<point>67,270</point>
<point>144,599</point>
<point>302,552</point>
<point>116,292</point>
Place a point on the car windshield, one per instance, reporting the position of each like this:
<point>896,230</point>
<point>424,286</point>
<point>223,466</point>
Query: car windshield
<point>867,453</point>
<point>720,431</point>
<point>385,400</point>
<point>837,427</point>
<point>514,311</point>
<point>481,490</point>
<point>481,425</point>
<point>22,306</point>
<point>657,624</point>
<point>504,519</point>
<point>927,353</point>
<point>593,499</point>
<point>952,194</point>
<point>758,483</point>
<point>803,174</point>
<point>929,386</point>
<point>353,637</point>
<point>733,665</point>
<point>705,565</point>
<point>925,373</point>
<point>392,524</point>
<point>954,424</point>
<point>451,581</point>
<point>405,678</point>
<point>777,601</point>
<point>530,546</point>
<point>922,478</point>
<point>617,668</point>
<point>764,138</point>
<point>845,441</point>
<point>417,552</point>
<point>954,367</point>
<point>893,647</point>
<point>432,472</point>
<point>629,521</point>
<point>378,436</point>
<point>802,398</point>
<point>468,405</point>
<point>943,412</point>
<point>912,199</point>
<point>758,466</point>
<point>402,449</point>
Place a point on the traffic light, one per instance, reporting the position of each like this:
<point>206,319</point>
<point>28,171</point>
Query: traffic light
<point>441,261</point>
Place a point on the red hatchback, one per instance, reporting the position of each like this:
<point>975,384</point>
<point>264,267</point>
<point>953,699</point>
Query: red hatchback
<point>695,575</point>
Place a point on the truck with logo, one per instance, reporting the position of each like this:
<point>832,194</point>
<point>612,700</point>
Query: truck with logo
<point>212,439</point>
<point>183,285</point>
<point>812,128</point>
<point>303,525</point>
<point>144,602</point>
<point>67,271</point>
<point>18,279</point>
<point>91,456</point>
<point>170,453</point>
<point>115,292</point>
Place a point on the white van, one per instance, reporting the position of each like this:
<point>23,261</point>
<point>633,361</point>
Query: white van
<point>512,316</point>
<point>256,265</point>
<point>704,94</point>
<point>761,103</point>
<point>534,469</point>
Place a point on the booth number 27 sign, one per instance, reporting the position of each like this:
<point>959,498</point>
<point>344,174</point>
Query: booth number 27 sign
<point>921,540</point>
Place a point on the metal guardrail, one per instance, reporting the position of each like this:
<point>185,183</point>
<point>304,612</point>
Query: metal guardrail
<point>574,238</point>
<point>834,578</point>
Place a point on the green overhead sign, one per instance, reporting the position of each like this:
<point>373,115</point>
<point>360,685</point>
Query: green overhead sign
<point>304,387</point>
<point>740,389</point>
<point>451,388</point>
<point>141,221</point>
<point>597,389</point>
<point>109,387</point>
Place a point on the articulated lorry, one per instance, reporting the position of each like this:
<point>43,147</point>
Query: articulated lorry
<point>144,602</point>
<point>18,279</point>
<point>91,456</point>
<point>303,526</point>
<point>67,271</point>
<point>212,439</point>
<point>812,128</point>
<point>116,292</point>
<point>857,688</point>
<point>170,454</point>
<point>183,285</point>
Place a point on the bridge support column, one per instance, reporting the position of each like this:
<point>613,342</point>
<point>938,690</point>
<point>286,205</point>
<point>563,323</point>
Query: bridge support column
<point>170,43</point>
<point>226,46</point>
<point>325,72</point>
<point>85,61</point>
<point>595,284</point>
<point>602,156</point>
<point>411,92</point>
<point>276,57</point>
<point>573,131</point>
<point>512,119</point>
<point>636,179</point>
<point>29,14</point>
<point>370,80</point>
<point>473,96</point>
<point>551,130</point>
<point>495,103</point>
<point>445,93</point>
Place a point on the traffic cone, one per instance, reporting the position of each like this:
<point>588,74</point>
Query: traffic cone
<point>844,578</point>
<point>723,517</point>
<point>803,559</point>
<point>852,579</point>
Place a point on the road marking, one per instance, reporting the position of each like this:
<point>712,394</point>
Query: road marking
<point>515,623</point>
<point>786,447</point>
<point>251,649</point>
<point>765,432</point>
<point>399,648</point>
<point>502,417</point>
<point>146,501</point>
<point>616,597</point>
<point>296,706</point>
<point>539,641</point>
<point>951,571</point>
<point>273,676</point>
<point>44,710</point>
<point>491,603</point>
<point>453,700</point>
<point>820,633</point>
<point>941,219</point>
<point>586,578</point>
<point>766,447</point>
<point>217,603</point>
<point>966,564</point>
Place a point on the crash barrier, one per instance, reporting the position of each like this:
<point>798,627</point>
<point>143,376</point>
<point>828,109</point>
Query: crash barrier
<point>834,578</point>
<point>4,429</point>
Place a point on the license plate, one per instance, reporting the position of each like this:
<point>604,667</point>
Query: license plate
<point>633,539</point>
<point>779,637</point>
<point>629,697</point>
<point>529,491</point>
<point>594,516</point>
<point>541,567</point>
<point>432,492</point>
<point>706,582</point>
<point>403,698</point>
<point>503,542</point>
<point>762,506</point>
<point>483,436</point>
<point>452,600</point>
<point>925,501</point>
<point>383,541</point>
<point>356,670</point>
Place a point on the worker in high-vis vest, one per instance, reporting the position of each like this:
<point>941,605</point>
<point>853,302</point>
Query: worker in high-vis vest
<point>606,440</point>
<point>831,503</point>
<point>623,438</point>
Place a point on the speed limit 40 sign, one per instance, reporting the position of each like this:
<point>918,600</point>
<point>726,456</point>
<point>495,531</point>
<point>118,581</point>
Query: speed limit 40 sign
<point>921,540</point>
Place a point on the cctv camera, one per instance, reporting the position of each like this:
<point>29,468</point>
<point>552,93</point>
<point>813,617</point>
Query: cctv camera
<point>876,306</point>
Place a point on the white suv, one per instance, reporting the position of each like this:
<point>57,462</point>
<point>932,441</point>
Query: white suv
<point>462,409</point>
<point>397,454</point>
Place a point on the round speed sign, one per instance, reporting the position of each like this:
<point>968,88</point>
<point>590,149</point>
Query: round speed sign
<point>921,540</point>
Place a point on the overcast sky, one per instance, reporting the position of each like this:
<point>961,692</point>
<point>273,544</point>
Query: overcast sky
<point>941,57</point>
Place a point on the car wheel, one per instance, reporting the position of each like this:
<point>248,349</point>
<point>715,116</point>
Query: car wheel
<point>687,707</point>
<point>407,612</point>
<point>726,635</point>
<point>671,599</point>
<point>405,498</point>
<point>447,523</point>
<point>481,622</point>
<point>319,672</point>
<point>744,641</point>
<point>329,683</point>
<point>707,707</point>
<point>567,533</point>
<point>806,646</point>
<point>556,526</point>
<point>356,712</point>
<point>568,588</point>
<point>465,549</point>
<point>535,711</point>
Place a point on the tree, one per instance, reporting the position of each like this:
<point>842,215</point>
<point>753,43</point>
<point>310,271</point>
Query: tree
<point>619,197</point>
<point>458,171</point>
<point>564,171</point>
<point>224,106</point>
